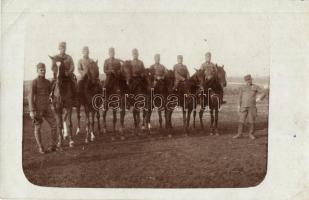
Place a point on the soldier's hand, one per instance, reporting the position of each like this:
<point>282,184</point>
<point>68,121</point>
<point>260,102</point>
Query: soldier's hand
<point>32,114</point>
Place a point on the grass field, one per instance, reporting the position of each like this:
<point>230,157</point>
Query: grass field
<point>198,160</point>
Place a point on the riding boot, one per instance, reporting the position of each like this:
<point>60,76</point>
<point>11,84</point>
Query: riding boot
<point>251,131</point>
<point>240,130</point>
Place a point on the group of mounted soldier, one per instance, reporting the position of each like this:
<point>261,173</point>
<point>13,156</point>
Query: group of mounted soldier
<point>123,77</point>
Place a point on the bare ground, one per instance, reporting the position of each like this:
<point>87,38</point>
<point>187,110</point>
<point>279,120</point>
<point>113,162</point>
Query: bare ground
<point>155,161</point>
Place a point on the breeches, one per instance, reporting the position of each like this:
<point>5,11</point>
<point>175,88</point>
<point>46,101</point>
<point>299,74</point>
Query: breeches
<point>248,113</point>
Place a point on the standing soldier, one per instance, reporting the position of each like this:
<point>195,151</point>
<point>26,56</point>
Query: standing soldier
<point>181,72</point>
<point>68,61</point>
<point>247,106</point>
<point>158,70</point>
<point>39,106</point>
<point>111,66</point>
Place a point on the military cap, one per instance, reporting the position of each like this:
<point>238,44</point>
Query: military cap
<point>62,44</point>
<point>179,56</point>
<point>85,48</point>
<point>247,77</point>
<point>208,54</point>
<point>40,65</point>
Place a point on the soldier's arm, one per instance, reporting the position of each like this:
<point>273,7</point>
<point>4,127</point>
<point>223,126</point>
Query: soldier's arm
<point>177,75</point>
<point>188,73</point>
<point>262,93</point>
<point>31,97</point>
<point>71,65</point>
<point>80,67</point>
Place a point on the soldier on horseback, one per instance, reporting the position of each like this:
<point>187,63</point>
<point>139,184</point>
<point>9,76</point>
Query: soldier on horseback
<point>157,70</point>
<point>111,66</point>
<point>181,72</point>
<point>138,68</point>
<point>68,61</point>
<point>211,71</point>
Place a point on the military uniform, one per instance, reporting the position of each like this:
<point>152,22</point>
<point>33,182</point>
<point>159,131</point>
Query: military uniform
<point>158,71</point>
<point>247,106</point>
<point>138,68</point>
<point>68,62</point>
<point>209,69</point>
<point>39,104</point>
<point>181,74</point>
<point>82,67</point>
<point>111,65</point>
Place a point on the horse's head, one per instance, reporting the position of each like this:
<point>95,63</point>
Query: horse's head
<point>126,70</point>
<point>198,78</point>
<point>221,74</point>
<point>93,71</point>
<point>58,67</point>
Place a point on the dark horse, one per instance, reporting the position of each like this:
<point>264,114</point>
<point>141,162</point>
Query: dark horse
<point>88,88</point>
<point>62,95</point>
<point>160,94</point>
<point>114,98</point>
<point>213,89</point>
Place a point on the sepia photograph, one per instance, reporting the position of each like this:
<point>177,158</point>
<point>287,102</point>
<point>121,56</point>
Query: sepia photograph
<point>146,100</point>
<point>131,99</point>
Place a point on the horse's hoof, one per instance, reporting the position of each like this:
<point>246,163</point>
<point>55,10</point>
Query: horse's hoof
<point>143,127</point>
<point>71,143</point>
<point>211,134</point>
<point>169,136</point>
<point>92,137</point>
<point>122,138</point>
<point>86,140</point>
<point>104,131</point>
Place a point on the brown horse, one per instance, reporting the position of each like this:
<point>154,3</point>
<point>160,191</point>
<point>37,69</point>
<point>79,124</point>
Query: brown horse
<point>213,88</point>
<point>62,95</point>
<point>115,93</point>
<point>89,87</point>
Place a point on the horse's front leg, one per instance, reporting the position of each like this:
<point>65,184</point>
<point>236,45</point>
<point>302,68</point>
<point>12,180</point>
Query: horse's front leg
<point>160,118</point>
<point>114,124</point>
<point>216,121</point>
<point>92,136</point>
<point>121,129</point>
<point>78,118</point>
<point>184,120</point>
<point>188,118</point>
<point>201,118</point>
<point>98,121</point>
<point>69,124</point>
<point>87,124</point>
<point>144,112</point>
<point>104,121</point>
<point>194,115</point>
<point>211,121</point>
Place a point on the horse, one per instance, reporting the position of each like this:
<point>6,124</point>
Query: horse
<point>62,96</point>
<point>115,93</point>
<point>138,88</point>
<point>159,94</point>
<point>187,99</point>
<point>89,87</point>
<point>213,98</point>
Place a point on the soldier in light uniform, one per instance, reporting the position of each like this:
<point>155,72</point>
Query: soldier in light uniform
<point>181,72</point>
<point>247,105</point>
<point>138,68</point>
<point>111,66</point>
<point>158,70</point>
<point>82,66</point>
<point>39,106</point>
<point>68,61</point>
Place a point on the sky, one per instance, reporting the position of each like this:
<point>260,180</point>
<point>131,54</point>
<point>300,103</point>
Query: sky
<point>239,41</point>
